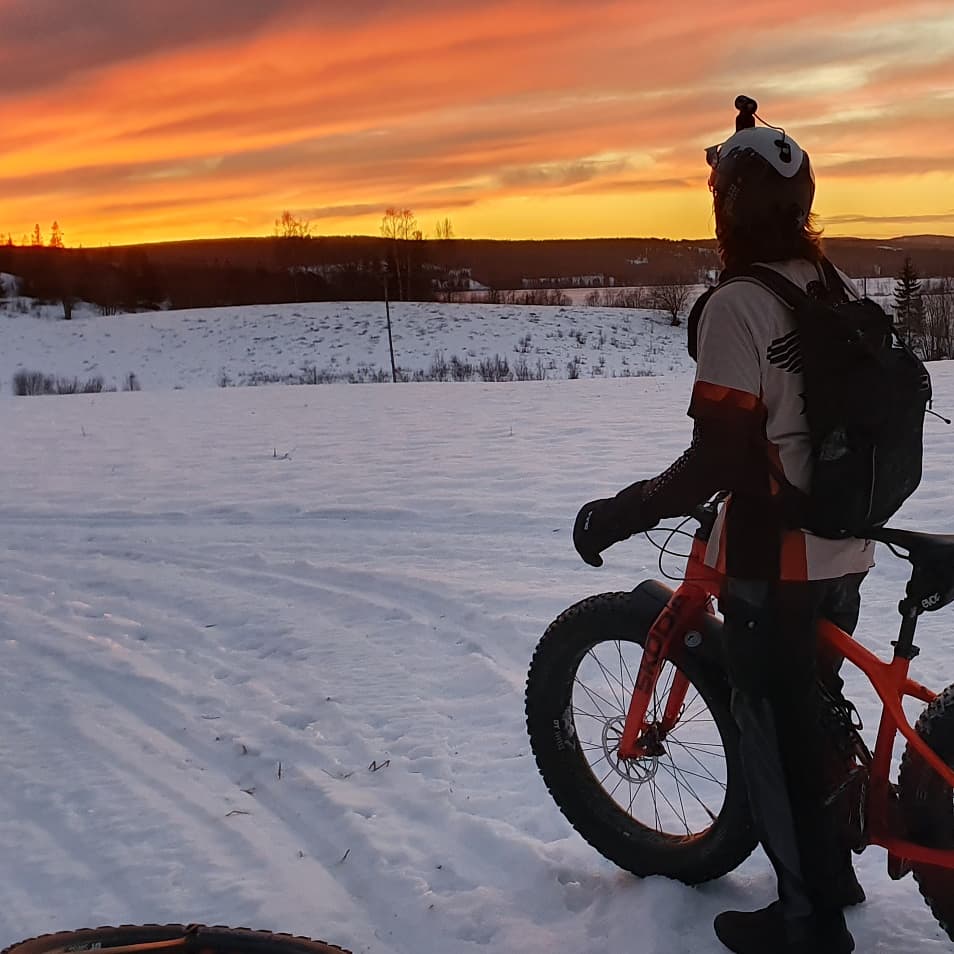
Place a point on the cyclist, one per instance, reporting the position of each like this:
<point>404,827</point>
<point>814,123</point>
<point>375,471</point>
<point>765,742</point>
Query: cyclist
<point>750,437</point>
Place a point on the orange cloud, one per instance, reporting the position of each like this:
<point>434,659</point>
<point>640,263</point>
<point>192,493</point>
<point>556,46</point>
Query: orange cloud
<point>209,119</point>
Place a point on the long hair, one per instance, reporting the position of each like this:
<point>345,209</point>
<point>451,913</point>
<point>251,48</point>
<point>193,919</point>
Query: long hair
<point>767,238</point>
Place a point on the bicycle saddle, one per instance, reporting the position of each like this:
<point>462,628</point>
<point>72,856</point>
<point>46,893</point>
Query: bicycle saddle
<point>932,581</point>
<point>921,547</point>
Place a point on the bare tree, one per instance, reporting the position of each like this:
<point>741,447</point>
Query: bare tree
<point>937,337</point>
<point>289,226</point>
<point>444,229</point>
<point>400,226</point>
<point>672,296</point>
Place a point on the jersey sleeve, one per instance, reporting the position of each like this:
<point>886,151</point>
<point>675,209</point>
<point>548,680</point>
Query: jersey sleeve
<point>727,389</point>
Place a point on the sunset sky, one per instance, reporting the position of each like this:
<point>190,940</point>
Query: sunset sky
<point>145,120</point>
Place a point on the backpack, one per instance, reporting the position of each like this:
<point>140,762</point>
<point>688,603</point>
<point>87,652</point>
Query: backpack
<point>866,394</point>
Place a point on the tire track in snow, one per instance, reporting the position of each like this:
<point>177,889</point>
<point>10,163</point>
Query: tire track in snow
<point>177,789</point>
<point>402,724</point>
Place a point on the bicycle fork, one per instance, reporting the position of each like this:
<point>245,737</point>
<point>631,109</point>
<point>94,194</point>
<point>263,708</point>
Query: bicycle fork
<point>642,739</point>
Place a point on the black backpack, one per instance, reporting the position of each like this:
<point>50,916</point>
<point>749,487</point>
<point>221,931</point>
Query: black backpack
<point>866,394</point>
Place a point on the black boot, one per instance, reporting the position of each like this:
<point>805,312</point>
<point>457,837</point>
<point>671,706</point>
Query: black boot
<point>767,932</point>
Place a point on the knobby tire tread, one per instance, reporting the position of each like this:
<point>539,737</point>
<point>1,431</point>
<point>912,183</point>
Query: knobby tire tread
<point>926,802</point>
<point>212,934</point>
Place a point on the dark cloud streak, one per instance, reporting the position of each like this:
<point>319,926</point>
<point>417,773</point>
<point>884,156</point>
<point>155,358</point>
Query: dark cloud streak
<point>56,40</point>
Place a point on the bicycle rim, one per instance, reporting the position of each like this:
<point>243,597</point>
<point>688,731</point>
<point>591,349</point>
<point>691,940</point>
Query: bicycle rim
<point>679,792</point>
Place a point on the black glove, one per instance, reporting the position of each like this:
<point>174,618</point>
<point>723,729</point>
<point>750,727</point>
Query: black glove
<point>601,523</point>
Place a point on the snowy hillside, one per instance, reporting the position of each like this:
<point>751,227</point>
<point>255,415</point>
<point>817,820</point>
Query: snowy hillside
<point>264,648</point>
<point>336,341</point>
<point>324,342</point>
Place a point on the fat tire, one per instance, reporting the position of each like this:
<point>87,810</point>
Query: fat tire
<point>589,809</point>
<point>216,939</point>
<point>926,802</point>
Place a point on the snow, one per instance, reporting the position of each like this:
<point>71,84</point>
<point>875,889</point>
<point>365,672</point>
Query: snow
<point>223,607</point>
<point>211,346</point>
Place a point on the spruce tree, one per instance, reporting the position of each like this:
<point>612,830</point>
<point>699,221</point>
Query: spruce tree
<point>908,304</point>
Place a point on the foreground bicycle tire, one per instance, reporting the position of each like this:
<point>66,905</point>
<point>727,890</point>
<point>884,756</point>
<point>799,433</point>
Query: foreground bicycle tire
<point>928,805</point>
<point>618,622</point>
<point>167,938</point>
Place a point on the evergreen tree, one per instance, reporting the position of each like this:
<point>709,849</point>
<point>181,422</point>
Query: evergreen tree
<point>36,239</point>
<point>908,304</point>
<point>56,236</point>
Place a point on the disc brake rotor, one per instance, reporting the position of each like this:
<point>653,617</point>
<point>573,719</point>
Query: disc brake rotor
<point>637,771</point>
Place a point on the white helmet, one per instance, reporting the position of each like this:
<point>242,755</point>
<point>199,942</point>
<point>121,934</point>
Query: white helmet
<point>760,171</point>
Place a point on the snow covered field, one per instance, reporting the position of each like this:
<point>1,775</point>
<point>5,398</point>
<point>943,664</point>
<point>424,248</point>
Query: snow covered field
<point>223,609</point>
<point>210,346</point>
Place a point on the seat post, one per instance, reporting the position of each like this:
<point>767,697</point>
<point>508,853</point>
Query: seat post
<point>904,647</point>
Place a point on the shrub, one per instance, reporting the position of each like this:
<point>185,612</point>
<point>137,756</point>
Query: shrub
<point>28,383</point>
<point>461,370</point>
<point>439,369</point>
<point>494,369</point>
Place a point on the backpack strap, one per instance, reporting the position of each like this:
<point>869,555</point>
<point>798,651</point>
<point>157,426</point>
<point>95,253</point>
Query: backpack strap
<point>785,290</point>
<point>833,281</point>
<point>692,324</point>
<point>778,284</point>
<point>792,296</point>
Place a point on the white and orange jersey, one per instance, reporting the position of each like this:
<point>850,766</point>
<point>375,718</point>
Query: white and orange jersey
<point>749,364</point>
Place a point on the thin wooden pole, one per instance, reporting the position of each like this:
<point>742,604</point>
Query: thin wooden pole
<point>387,311</point>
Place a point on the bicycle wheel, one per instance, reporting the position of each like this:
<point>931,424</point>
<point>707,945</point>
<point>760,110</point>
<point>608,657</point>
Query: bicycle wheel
<point>683,814</point>
<point>171,939</point>
<point>928,805</point>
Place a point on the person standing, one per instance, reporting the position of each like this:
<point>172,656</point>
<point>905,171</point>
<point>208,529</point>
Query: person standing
<point>751,438</point>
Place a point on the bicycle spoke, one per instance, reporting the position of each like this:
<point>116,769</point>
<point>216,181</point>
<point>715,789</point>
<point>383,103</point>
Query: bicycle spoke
<point>670,675</point>
<point>687,707</point>
<point>600,717</point>
<point>606,677</point>
<point>691,791</point>
<point>652,792</point>
<point>700,747</point>
<point>697,718</point>
<point>679,795</point>
<point>630,680</point>
<point>619,651</point>
<point>596,698</point>
<point>672,808</point>
<point>702,778</point>
<point>696,760</point>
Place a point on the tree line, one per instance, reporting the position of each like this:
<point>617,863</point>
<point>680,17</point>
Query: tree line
<point>126,280</point>
<point>924,312</point>
<point>401,265</point>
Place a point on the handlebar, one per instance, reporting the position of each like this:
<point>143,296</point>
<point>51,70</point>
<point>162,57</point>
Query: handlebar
<point>706,514</point>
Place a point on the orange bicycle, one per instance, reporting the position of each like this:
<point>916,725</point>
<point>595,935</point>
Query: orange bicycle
<point>627,707</point>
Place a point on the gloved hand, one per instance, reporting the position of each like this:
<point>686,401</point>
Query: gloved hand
<point>601,523</point>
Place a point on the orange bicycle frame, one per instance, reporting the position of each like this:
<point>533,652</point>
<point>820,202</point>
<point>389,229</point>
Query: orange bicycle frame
<point>676,625</point>
<point>684,612</point>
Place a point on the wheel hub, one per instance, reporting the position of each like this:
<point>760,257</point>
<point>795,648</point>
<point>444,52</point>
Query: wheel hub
<point>633,770</point>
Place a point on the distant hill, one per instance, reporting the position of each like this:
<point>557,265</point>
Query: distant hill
<point>509,264</point>
<point>250,271</point>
